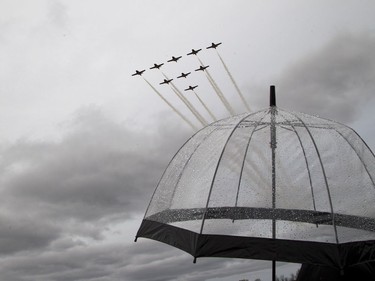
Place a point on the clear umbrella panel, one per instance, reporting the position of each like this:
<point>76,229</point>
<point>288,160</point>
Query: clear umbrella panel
<point>271,185</point>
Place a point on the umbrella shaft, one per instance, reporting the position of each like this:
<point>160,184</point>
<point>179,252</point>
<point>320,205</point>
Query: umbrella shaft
<point>273,148</point>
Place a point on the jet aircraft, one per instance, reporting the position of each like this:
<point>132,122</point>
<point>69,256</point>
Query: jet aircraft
<point>166,81</point>
<point>213,45</point>
<point>191,88</point>
<point>138,72</point>
<point>194,52</point>
<point>174,59</point>
<point>201,68</point>
<point>156,66</point>
<point>183,75</point>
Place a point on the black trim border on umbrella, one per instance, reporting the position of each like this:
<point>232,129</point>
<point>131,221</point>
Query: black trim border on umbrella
<point>334,255</point>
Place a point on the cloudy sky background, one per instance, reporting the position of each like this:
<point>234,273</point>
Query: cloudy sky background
<point>83,143</point>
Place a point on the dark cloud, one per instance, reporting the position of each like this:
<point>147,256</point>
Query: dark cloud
<point>99,172</point>
<point>23,233</point>
<point>144,260</point>
<point>334,82</point>
<point>60,199</point>
<point>99,168</point>
<point>77,263</point>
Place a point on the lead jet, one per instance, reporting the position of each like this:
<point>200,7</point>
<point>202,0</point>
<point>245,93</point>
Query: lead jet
<point>166,81</point>
<point>191,88</point>
<point>156,66</point>
<point>201,68</point>
<point>183,75</point>
<point>194,52</point>
<point>174,59</point>
<point>138,72</point>
<point>213,45</point>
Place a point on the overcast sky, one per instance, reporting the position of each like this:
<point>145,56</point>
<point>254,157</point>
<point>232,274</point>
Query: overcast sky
<point>83,143</point>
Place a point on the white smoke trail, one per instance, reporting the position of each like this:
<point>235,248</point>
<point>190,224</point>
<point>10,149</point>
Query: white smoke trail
<point>171,106</point>
<point>204,105</point>
<point>189,105</point>
<point>186,102</point>
<point>217,90</point>
<point>219,93</point>
<point>234,82</point>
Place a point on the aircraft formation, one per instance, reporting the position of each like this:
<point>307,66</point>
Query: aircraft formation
<point>177,58</point>
<point>202,68</point>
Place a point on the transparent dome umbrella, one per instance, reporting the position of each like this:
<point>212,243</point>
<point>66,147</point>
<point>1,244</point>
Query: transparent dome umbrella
<point>271,185</point>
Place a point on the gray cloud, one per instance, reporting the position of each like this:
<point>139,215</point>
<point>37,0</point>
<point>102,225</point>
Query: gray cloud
<point>59,198</point>
<point>78,263</point>
<point>23,233</point>
<point>334,82</point>
<point>97,173</point>
<point>144,260</point>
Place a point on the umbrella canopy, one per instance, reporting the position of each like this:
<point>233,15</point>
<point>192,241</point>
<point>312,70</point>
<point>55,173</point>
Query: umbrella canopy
<point>270,185</point>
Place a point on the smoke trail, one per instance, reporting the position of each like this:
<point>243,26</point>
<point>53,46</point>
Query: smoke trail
<point>186,102</point>
<point>217,90</point>
<point>204,105</point>
<point>219,93</point>
<point>171,106</point>
<point>234,82</point>
<point>189,105</point>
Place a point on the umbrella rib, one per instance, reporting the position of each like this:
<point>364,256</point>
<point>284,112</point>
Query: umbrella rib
<point>304,155</point>
<point>360,158</point>
<point>187,162</point>
<point>324,175</point>
<point>261,128</point>
<point>244,158</point>
<point>157,186</point>
<point>217,167</point>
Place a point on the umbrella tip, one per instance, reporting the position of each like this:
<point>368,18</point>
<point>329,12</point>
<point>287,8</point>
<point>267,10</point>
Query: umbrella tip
<point>272,95</point>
